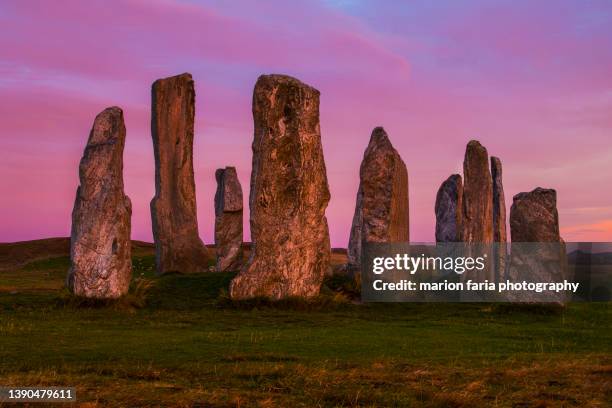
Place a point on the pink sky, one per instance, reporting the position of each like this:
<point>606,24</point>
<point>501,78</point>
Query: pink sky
<point>531,80</point>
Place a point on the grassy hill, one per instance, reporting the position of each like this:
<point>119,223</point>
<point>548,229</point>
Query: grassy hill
<point>178,341</point>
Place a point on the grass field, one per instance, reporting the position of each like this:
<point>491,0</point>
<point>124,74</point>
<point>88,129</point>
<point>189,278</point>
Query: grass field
<point>178,341</point>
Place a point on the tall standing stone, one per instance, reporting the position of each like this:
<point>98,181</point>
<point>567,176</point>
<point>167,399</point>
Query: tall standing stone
<point>449,210</point>
<point>499,202</point>
<point>499,217</point>
<point>178,247</point>
<point>100,248</point>
<point>477,220</point>
<point>289,194</point>
<point>228,220</point>
<point>477,195</point>
<point>355,237</point>
<point>381,210</point>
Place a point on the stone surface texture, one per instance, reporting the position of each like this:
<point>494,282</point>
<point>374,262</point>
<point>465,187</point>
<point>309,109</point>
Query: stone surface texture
<point>178,247</point>
<point>477,195</point>
<point>449,210</point>
<point>499,203</point>
<point>355,237</point>
<point>382,209</point>
<point>100,248</point>
<point>289,194</point>
<point>534,217</point>
<point>228,220</point>
<point>499,218</point>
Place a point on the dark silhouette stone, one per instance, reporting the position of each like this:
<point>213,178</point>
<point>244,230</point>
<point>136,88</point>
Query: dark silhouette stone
<point>449,210</point>
<point>499,218</point>
<point>499,203</point>
<point>228,220</point>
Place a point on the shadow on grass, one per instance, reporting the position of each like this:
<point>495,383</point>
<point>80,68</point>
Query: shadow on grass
<point>193,292</point>
<point>135,299</point>
<point>542,309</point>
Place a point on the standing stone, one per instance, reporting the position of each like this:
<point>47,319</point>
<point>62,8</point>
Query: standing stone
<point>534,217</point>
<point>477,212</point>
<point>381,210</point>
<point>228,220</point>
<point>449,210</point>
<point>354,245</point>
<point>477,195</point>
<point>499,202</point>
<point>178,247</point>
<point>100,249</point>
<point>289,194</point>
<point>499,217</point>
<point>538,252</point>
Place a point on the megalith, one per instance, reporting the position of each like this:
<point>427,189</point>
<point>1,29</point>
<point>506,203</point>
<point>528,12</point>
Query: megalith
<point>538,251</point>
<point>381,209</point>
<point>477,195</point>
<point>289,194</point>
<point>228,220</point>
<point>100,248</point>
<point>534,216</point>
<point>449,210</point>
<point>499,218</point>
<point>178,247</point>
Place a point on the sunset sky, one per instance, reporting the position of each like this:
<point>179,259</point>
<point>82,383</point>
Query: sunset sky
<point>532,80</point>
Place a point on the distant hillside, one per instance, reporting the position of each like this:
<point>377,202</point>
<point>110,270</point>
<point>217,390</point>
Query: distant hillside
<point>579,257</point>
<point>16,254</point>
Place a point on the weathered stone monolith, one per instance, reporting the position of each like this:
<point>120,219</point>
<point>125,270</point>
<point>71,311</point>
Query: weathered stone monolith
<point>228,220</point>
<point>538,252</point>
<point>534,216</point>
<point>499,218</point>
<point>449,210</point>
<point>477,220</point>
<point>477,195</point>
<point>100,248</point>
<point>381,210</point>
<point>499,203</point>
<point>178,247</point>
<point>354,246</point>
<point>289,194</point>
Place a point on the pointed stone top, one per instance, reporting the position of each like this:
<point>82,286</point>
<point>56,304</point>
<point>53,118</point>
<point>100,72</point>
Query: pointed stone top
<point>105,126</point>
<point>380,138</point>
<point>379,133</point>
<point>271,80</point>
<point>111,110</point>
<point>496,168</point>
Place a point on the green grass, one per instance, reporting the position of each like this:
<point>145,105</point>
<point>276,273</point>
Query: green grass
<point>187,345</point>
